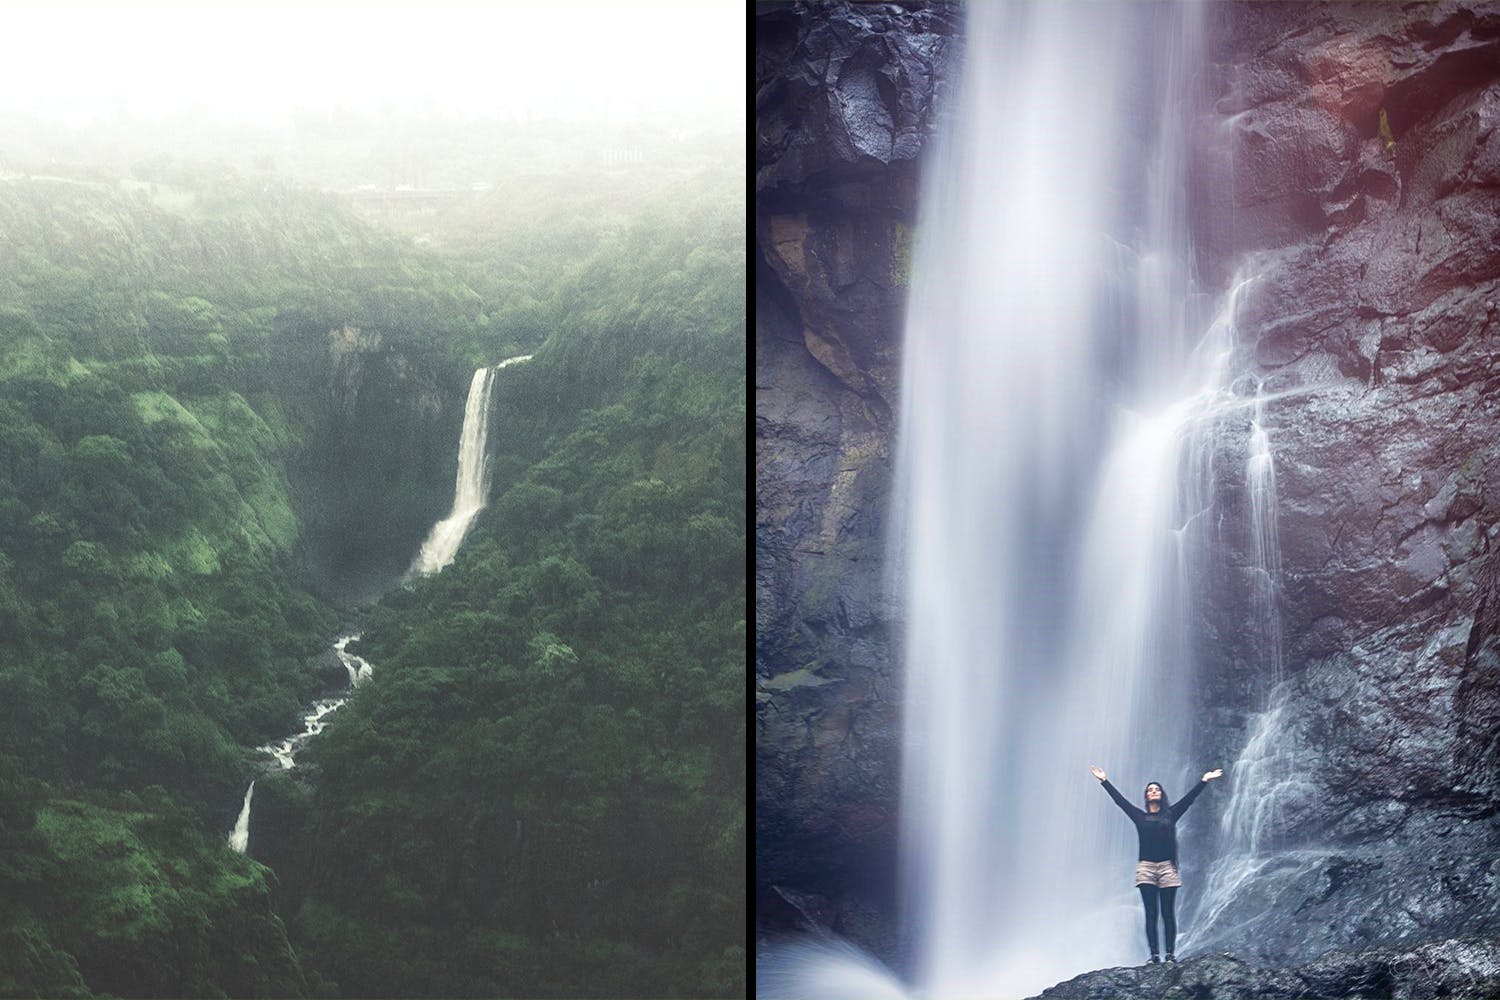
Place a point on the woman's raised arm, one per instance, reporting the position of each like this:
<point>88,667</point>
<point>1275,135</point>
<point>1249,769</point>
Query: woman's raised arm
<point>1114,793</point>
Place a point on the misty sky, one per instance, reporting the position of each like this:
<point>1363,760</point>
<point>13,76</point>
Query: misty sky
<point>613,60</point>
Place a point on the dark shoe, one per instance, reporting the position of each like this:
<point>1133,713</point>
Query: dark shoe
<point>1153,960</point>
<point>1171,957</point>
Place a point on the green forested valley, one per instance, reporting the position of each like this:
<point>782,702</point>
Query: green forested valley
<point>230,410</point>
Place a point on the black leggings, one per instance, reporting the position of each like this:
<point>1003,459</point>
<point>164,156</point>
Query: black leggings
<point>1168,897</point>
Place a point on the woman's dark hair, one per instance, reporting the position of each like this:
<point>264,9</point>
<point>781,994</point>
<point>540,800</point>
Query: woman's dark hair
<point>1166,803</point>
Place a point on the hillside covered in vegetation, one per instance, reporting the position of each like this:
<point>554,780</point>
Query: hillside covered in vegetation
<point>229,410</point>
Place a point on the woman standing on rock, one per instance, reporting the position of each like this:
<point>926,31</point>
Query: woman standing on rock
<point>1156,872</point>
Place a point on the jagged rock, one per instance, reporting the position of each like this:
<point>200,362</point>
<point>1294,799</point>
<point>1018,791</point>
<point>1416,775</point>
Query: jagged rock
<point>1374,316</point>
<point>846,100</point>
<point>330,671</point>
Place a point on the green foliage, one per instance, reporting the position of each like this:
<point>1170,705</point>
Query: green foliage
<point>544,783</point>
<point>542,790</point>
<point>124,894</point>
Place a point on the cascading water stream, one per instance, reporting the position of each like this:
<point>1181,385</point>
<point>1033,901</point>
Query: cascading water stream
<point>472,484</point>
<point>313,723</point>
<point>1260,480</point>
<point>1263,778</point>
<point>442,544</point>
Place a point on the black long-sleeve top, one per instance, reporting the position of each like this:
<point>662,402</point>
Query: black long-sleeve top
<point>1158,830</point>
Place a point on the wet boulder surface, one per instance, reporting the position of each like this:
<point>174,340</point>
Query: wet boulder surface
<point>846,99</point>
<point>1452,968</point>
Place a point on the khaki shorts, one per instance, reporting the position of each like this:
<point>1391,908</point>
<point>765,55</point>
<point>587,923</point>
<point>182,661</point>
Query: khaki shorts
<point>1162,874</point>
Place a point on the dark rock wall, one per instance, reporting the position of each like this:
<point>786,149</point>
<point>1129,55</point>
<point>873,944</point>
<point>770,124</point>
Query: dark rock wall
<point>379,457</point>
<point>844,106</point>
<point>1347,161</point>
<point>1378,254</point>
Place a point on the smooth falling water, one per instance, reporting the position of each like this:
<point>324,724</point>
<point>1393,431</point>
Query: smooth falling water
<point>1260,479</point>
<point>239,839</point>
<point>1061,381</point>
<point>1058,381</point>
<point>472,484</point>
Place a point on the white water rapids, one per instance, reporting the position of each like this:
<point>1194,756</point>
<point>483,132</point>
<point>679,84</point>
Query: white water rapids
<point>1063,379</point>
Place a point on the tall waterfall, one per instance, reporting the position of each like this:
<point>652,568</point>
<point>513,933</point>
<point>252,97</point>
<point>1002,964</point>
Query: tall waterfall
<point>239,839</point>
<point>1053,461</point>
<point>1064,382</point>
<point>472,485</point>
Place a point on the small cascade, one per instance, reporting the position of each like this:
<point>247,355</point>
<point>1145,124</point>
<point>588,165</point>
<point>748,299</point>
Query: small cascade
<point>1265,545</point>
<point>471,488</point>
<point>317,715</point>
<point>358,666</point>
<point>239,839</point>
<point>313,722</point>
<point>1264,781</point>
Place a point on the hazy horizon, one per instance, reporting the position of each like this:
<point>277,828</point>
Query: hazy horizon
<point>263,63</point>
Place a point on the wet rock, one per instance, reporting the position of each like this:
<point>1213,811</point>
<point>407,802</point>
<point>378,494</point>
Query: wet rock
<point>1450,968</point>
<point>846,100</point>
<point>845,103</point>
<point>1372,325</point>
<point>330,671</point>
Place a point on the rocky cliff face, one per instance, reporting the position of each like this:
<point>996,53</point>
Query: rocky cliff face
<point>845,101</point>
<point>1374,251</point>
<point>1348,164</point>
<point>379,460</point>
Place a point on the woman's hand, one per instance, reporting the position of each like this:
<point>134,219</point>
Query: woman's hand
<point>1217,772</point>
<point>1097,773</point>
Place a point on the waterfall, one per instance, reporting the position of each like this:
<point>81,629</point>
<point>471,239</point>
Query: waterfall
<point>1062,379</point>
<point>1059,378</point>
<point>358,667</point>
<point>471,487</point>
<point>1265,549</point>
<point>240,838</point>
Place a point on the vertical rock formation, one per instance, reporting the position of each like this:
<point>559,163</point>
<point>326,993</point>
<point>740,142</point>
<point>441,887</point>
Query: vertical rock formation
<point>844,104</point>
<point>374,471</point>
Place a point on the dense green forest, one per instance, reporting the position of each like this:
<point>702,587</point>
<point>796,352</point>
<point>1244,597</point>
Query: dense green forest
<point>228,408</point>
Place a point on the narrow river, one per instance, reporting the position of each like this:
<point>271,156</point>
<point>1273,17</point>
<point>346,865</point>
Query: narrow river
<point>317,715</point>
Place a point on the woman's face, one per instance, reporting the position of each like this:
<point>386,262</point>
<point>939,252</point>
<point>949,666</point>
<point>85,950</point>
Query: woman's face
<point>1153,794</point>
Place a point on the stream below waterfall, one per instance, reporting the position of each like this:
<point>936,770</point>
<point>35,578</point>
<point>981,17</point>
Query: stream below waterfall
<point>470,494</point>
<point>314,719</point>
